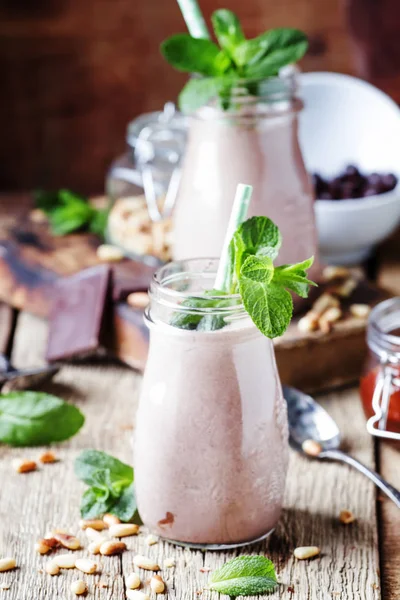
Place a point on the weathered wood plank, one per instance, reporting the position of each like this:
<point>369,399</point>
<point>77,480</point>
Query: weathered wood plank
<point>316,492</point>
<point>390,522</point>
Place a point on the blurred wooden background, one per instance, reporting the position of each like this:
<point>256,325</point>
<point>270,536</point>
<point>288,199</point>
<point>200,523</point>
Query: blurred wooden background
<point>74,72</point>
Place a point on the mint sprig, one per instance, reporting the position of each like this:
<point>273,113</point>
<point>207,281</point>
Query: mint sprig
<point>110,484</point>
<point>244,576</point>
<point>236,62</point>
<point>264,288</point>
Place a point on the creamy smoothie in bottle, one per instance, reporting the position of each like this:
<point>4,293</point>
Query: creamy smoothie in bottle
<point>211,443</point>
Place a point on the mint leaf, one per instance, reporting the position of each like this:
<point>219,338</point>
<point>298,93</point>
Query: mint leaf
<point>36,418</point>
<point>294,277</point>
<point>269,306</point>
<point>257,235</point>
<point>272,44</point>
<point>258,268</point>
<point>191,320</point>
<point>111,485</point>
<point>195,55</point>
<point>197,92</point>
<point>227,28</point>
<point>244,576</point>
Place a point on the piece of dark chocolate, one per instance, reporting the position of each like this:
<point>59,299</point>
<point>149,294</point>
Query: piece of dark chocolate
<point>80,305</point>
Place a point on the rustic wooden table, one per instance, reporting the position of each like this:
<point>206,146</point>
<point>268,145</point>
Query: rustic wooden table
<point>358,561</point>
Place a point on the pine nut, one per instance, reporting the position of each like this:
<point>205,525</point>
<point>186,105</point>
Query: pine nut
<point>93,535</point>
<point>346,517</point>
<point>330,316</point>
<point>324,302</point>
<point>138,300</point>
<point>361,311</point>
<point>157,584</point>
<point>311,447</point>
<point>48,457</point>
<point>97,524</point>
<point>44,546</point>
<point>23,465</point>
<point>169,563</point>
<point>110,548</point>
<point>304,552</point>
<point>6,564</point>
<point>151,540</point>
<point>78,587</point>
<point>143,562</point>
<point>123,529</point>
<point>110,519</point>
<point>335,272</point>
<point>86,565</point>
<point>136,595</point>
<point>68,541</point>
<point>65,561</point>
<point>109,253</point>
<point>94,547</point>
<point>133,581</point>
<point>52,568</point>
<point>347,288</point>
<point>37,215</point>
<point>308,323</point>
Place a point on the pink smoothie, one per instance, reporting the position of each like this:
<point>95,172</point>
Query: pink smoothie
<point>211,445</point>
<point>259,150</point>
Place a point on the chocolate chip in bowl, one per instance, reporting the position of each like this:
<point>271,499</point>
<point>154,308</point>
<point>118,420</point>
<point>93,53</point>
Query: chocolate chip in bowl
<point>353,183</point>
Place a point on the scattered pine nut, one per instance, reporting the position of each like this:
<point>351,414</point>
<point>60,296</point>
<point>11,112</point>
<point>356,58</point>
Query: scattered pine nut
<point>7,564</point>
<point>335,272</point>
<point>169,563</point>
<point>346,517</point>
<point>44,546</point>
<point>94,547</point>
<point>136,595</point>
<point>132,581</point>
<point>97,524</point>
<point>48,457</point>
<point>308,323</point>
<point>5,586</point>
<point>68,541</point>
<point>123,529</point>
<point>65,561</point>
<point>110,519</point>
<point>330,316</point>
<point>79,587</point>
<point>143,562</point>
<point>109,253</point>
<point>151,539</point>
<point>37,215</point>
<point>311,447</point>
<point>304,552</point>
<point>110,547</point>
<point>138,299</point>
<point>157,584</point>
<point>347,288</point>
<point>86,565</point>
<point>23,465</point>
<point>361,311</point>
<point>324,302</point>
<point>52,568</point>
<point>93,535</point>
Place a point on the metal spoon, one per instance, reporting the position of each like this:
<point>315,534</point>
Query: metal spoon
<point>309,421</point>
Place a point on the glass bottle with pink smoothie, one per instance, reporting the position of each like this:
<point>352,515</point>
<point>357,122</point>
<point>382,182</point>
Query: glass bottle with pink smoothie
<point>254,140</point>
<point>211,441</point>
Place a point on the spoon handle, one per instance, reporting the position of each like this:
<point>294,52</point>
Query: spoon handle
<point>388,489</point>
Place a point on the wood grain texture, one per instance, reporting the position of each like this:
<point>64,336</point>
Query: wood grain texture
<point>316,492</point>
<point>74,73</point>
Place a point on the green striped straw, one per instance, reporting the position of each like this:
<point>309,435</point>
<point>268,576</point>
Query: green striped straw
<point>194,19</point>
<point>240,207</point>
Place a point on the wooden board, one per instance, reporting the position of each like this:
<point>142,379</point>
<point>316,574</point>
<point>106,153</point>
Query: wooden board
<point>348,568</point>
<point>32,260</point>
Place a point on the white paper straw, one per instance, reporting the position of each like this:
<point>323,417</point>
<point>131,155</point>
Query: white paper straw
<point>194,19</point>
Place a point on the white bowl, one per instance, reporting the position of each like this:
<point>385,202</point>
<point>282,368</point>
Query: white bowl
<point>348,121</point>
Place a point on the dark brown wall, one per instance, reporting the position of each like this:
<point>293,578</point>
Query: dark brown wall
<point>74,72</point>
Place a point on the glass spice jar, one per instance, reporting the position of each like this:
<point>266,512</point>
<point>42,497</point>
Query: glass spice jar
<point>380,380</point>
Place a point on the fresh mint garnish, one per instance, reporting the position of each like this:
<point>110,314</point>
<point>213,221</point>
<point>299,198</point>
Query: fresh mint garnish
<point>264,288</point>
<point>110,484</point>
<point>36,418</point>
<point>235,62</point>
<point>245,576</point>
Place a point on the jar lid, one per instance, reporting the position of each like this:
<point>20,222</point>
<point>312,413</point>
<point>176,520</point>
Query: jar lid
<point>168,118</point>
